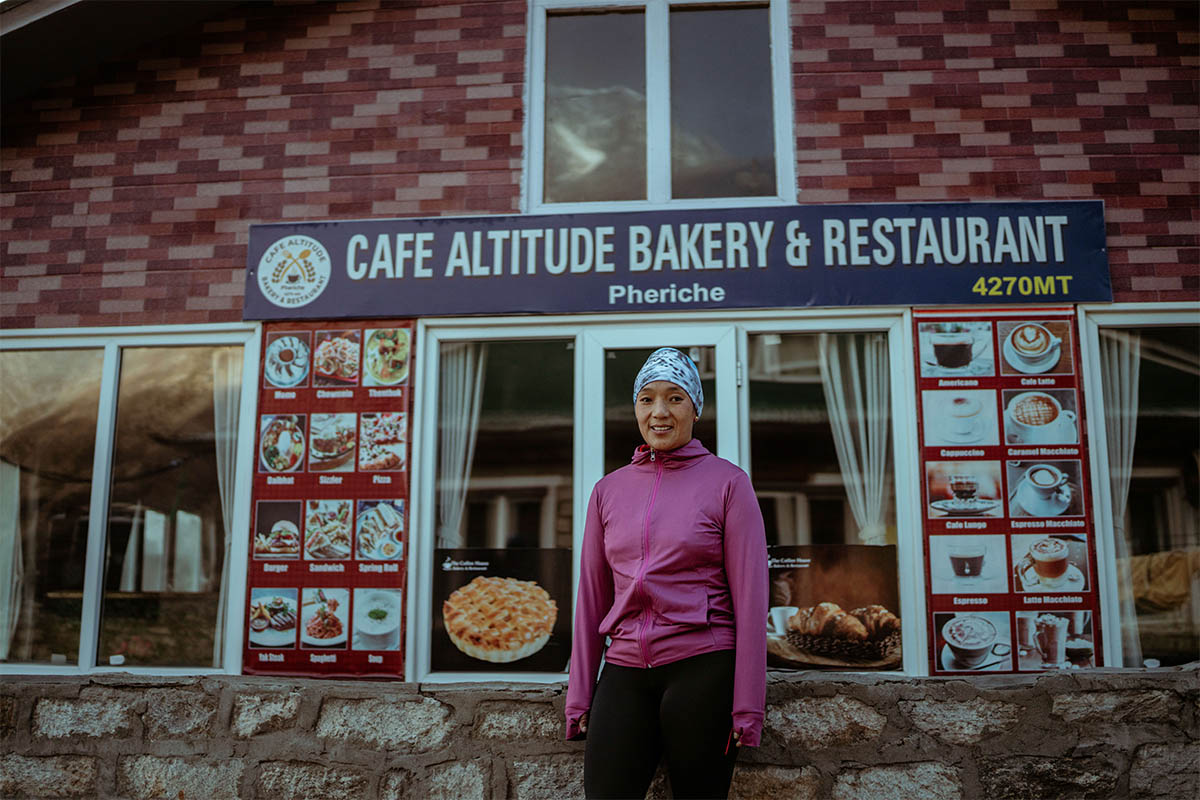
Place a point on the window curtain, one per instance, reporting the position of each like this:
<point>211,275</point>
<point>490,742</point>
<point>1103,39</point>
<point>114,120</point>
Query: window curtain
<point>12,555</point>
<point>854,375</point>
<point>1120,364</point>
<point>227,389</point>
<point>460,393</point>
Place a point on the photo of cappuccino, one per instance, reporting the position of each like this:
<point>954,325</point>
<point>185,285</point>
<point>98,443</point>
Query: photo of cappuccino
<point>1035,347</point>
<point>960,417</point>
<point>1040,417</point>
<point>974,641</point>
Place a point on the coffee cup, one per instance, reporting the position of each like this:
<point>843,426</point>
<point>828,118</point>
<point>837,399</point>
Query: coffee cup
<point>1038,418</point>
<point>1046,481</point>
<point>1033,344</point>
<point>778,618</point>
<point>966,559</point>
<point>1051,638</point>
<point>955,349</point>
<point>971,639</point>
<point>1046,563</point>
<point>963,414</point>
<point>964,487</point>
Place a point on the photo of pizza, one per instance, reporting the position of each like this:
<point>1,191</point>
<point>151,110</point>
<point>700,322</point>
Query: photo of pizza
<point>382,441</point>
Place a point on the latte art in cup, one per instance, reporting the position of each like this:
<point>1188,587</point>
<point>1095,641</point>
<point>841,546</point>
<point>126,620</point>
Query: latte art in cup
<point>1035,409</point>
<point>1031,341</point>
<point>969,632</point>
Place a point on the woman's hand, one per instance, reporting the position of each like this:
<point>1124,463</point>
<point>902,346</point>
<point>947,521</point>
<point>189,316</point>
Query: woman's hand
<point>583,723</point>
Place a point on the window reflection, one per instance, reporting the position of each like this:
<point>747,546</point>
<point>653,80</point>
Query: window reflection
<point>1151,379</point>
<point>722,120</point>
<point>170,506</point>
<point>48,407</point>
<point>595,127</point>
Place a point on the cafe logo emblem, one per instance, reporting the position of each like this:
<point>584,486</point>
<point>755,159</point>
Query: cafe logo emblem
<point>294,271</point>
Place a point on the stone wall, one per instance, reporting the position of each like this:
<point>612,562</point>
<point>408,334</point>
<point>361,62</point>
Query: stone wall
<point>1102,734</point>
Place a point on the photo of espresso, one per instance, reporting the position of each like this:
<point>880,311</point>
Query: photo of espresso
<point>968,564</point>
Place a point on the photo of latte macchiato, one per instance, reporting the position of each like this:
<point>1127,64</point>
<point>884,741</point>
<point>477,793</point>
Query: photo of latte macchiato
<point>1050,563</point>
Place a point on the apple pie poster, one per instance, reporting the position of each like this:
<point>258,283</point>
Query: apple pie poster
<point>330,500</point>
<point>1009,532</point>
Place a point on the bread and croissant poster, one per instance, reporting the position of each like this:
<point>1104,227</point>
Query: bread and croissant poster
<point>833,606</point>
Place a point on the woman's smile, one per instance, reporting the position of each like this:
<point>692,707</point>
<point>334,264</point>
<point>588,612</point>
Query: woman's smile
<point>665,415</point>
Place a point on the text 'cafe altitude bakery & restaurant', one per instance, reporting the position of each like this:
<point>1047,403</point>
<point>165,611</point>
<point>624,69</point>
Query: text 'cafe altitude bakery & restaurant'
<point>903,382</point>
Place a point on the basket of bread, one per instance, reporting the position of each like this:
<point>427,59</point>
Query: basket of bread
<point>868,636</point>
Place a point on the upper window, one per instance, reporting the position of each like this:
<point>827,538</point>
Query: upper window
<point>664,102</point>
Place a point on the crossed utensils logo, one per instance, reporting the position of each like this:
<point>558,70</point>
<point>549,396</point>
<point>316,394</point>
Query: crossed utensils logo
<point>294,271</point>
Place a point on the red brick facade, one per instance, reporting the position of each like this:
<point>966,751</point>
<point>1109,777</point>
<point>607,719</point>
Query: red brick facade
<point>126,196</point>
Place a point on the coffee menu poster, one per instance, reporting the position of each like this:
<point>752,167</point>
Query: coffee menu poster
<point>1010,552</point>
<point>329,538</point>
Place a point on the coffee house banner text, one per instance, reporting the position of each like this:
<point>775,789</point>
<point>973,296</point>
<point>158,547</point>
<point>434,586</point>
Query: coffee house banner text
<point>831,255</point>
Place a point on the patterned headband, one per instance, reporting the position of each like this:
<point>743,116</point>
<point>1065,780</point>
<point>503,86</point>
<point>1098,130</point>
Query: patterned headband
<point>669,364</point>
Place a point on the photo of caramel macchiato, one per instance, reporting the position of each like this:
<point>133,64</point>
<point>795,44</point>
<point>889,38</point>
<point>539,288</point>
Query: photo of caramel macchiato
<point>1040,417</point>
<point>1035,409</point>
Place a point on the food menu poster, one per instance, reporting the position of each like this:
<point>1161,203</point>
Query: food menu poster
<point>329,536</point>
<point>1010,551</point>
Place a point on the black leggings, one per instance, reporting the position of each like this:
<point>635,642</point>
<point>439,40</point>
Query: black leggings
<point>683,709</point>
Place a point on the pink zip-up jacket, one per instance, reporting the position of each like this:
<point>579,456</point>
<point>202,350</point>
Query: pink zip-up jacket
<point>674,564</point>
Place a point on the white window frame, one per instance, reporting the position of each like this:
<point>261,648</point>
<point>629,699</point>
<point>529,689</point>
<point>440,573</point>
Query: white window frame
<point>592,333</point>
<point>111,341</point>
<point>1093,317</point>
<point>658,105</point>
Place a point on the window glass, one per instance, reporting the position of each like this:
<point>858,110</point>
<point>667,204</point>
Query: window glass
<point>621,435</point>
<point>722,122</point>
<point>822,464</point>
<point>170,506</point>
<point>1151,379</point>
<point>505,461</point>
<point>595,112</point>
<point>48,407</point>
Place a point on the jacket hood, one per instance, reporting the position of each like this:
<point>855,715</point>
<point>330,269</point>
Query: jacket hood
<point>672,459</point>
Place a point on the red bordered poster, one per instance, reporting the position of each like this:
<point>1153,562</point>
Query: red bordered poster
<point>329,523</point>
<point>1010,551</point>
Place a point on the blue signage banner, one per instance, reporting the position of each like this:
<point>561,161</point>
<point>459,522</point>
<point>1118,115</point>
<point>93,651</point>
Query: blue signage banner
<point>774,257</point>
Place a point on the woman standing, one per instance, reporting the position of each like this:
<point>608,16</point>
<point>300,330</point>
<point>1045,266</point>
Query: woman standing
<point>674,574</point>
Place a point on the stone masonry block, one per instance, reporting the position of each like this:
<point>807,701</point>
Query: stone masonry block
<point>517,721</point>
<point>52,776</point>
<point>1113,708</point>
<point>396,785</point>
<point>408,724</point>
<point>460,780</point>
<point>754,781</point>
<point>174,713</point>
<point>821,722</point>
<point>98,714</point>
<point>1166,771</point>
<point>961,723</point>
<point>260,713</point>
<point>1022,777</point>
<point>8,715</point>
<point>289,780</point>
<point>151,778</point>
<point>547,778</point>
<point>927,780</point>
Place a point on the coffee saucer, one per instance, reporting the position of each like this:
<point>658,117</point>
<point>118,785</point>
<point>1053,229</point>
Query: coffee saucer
<point>965,508</point>
<point>1016,362</point>
<point>1073,583</point>
<point>1027,497</point>
<point>992,662</point>
<point>1067,434</point>
<point>973,434</point>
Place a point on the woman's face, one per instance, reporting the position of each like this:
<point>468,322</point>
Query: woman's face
<point>665,415</point>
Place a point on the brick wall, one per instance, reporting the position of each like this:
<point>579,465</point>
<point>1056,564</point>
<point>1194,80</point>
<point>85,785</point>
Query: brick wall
<point>126,195</point>
<point>1098,734</point>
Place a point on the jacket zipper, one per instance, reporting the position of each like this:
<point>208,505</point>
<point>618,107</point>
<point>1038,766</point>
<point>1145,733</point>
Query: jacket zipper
<point>645,556</point>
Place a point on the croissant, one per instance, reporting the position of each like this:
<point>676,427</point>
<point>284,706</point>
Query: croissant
<point>828,619</point>
<point>878,621</point>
